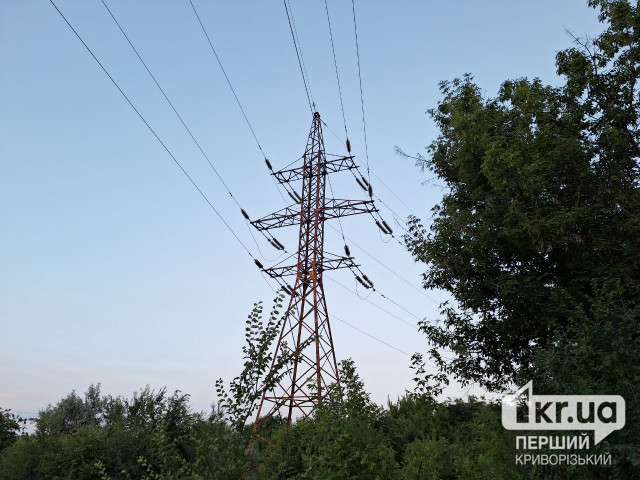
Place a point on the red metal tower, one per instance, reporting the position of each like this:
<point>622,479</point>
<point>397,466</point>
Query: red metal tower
<point>306,331</point>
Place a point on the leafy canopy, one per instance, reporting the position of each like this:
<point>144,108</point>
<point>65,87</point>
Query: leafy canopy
<point>542,204</point>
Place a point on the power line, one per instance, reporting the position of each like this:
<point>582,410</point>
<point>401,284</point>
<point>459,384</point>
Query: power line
<point>365,251</point>
<point>180,165</point>
<point>364,123</point>
<point>249,125</point>
<point>235,95</point>
<point>379,340</point>
<point>393,193</point>
<point>386,297</point>
<point>374,304</point>
<point>171,104</point>
<point>295,44</point>
<point>249,228</point>
<point>335,63</point>
<point>166,97</point>
<point>377,197</point>
<point>304,75</point>
<point>339,219</point>
<point>397,304</point>
<point>371,336</point>
<point>379,179</point>
<point>359,330</point>
<point>152,130</point>
<point>375,214</point>
<point>333,316</point>
<point>393,212</point>
<point>307,85</point>
<point>383,310</point>
<point>304,65</point>
<point>366,299</point>
<point>388,268</point>
<point>366,185</point>
<point>227,78</point>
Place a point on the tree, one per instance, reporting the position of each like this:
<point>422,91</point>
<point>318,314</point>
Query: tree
<point>153,435</point>
<point>536,238</point>
<point>11,427</point>
<point>342,439</point>
<point>257,376</point>
<point>542,208</point>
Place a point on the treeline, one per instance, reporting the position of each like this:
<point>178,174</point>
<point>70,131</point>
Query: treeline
<point>154,435</point>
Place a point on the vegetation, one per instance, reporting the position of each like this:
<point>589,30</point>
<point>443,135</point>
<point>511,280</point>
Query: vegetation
<point>540,224</point>
<point>537,236</point>
<point>536,239</point>
<point>157,436</point>
<point>154,435</point>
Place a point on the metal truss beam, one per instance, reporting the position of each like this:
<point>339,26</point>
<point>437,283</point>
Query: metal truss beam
<point>294,214</point>
<point>329,166</point>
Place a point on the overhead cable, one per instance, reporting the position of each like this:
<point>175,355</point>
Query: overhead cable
<point>153,132</point>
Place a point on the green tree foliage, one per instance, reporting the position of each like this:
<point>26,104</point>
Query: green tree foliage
<point>415,438</point>
<point>599,352</point>
<point>537,235</point>
<point>542,208</point>
<point>450,440</point>
<point>77,437</point>
<point>152,435</point>
<point>155,436</point>
<point>158,437</point>
<point>343,439</point>
<point>73,412</point>
<point>258,374</point>
<point>11,426</point>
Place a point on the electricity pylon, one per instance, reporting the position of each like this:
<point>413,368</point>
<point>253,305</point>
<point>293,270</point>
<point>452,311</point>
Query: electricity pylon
<point>306,331</point>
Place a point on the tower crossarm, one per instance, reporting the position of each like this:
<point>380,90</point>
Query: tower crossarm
<point>282,218</point>
<point>333,208</point>
<point>327,264</point>
<point>330,166</point>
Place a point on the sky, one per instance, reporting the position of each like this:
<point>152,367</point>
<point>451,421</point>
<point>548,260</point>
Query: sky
<point>114,270</point>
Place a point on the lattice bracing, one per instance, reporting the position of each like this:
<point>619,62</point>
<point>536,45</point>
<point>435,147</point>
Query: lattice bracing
<point>306,329</point>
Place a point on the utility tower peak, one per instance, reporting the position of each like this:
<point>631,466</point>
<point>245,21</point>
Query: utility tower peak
<point>306,330</point>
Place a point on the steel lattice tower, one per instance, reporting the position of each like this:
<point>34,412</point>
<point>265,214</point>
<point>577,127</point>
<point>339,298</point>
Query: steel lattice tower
<point>306,323</point>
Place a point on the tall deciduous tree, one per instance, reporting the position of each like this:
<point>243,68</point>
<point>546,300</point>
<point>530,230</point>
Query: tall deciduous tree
<point>540,225</point>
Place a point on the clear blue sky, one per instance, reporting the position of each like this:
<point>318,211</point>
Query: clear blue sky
<point>112,267</point>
